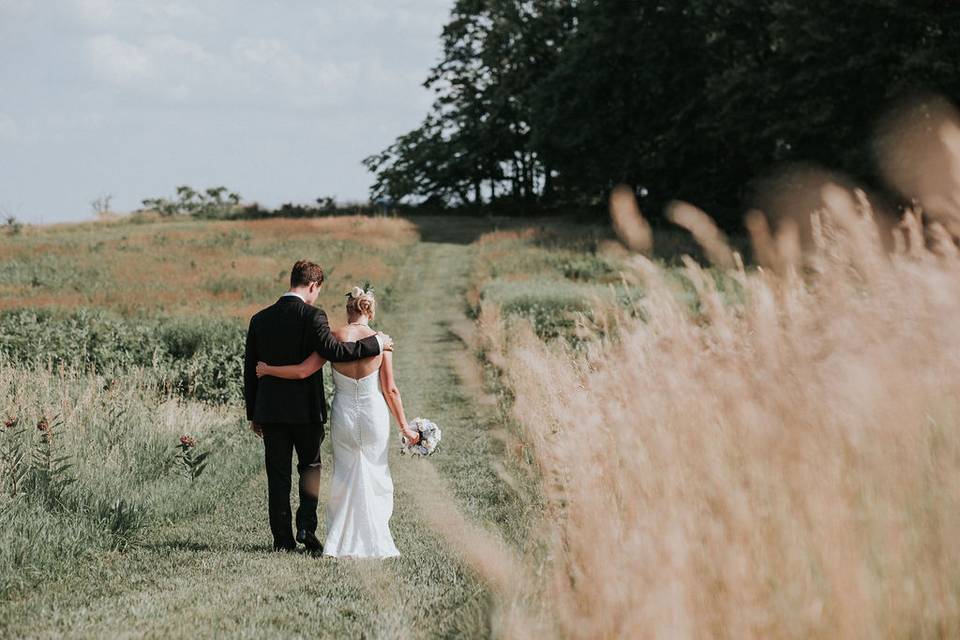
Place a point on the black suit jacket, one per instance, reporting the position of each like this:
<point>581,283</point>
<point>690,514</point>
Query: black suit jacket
<point>286,333</point>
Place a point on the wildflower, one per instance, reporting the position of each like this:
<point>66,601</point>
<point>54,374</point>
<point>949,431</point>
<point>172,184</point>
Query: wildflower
<point>10,422</point>
<point>190,460</point>
<point>43,426</point>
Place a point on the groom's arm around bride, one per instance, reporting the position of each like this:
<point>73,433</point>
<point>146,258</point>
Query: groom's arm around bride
<point>332,350</point>
<point>286,333</point>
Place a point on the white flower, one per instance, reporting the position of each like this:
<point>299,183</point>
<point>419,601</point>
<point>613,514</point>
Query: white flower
<point>429,438</point>
<point>356,292</point>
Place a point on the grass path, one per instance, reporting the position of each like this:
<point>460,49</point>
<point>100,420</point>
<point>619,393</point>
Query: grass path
<point>212,576</point>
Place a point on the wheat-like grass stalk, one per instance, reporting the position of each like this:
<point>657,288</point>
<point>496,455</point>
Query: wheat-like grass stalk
<point>783,463</point>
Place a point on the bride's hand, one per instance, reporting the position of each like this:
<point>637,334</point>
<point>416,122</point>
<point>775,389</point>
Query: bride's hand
<point>260,369</point>
<point>413,437</point>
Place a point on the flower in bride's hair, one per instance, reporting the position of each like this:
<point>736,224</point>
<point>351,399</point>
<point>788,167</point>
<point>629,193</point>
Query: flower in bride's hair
<point>356,292</point>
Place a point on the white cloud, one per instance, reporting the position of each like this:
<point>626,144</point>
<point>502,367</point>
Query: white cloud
<point>14,7</point>
<point>161,92</point>
<point>172,11</point>
<point>162,66</point>
<point>96,12</point>
<point>251,68</point>
<point>136,15</point>
<point>118,61</point>
<point>8,127</point>
<point>270,66</point>
<point>402,15</point>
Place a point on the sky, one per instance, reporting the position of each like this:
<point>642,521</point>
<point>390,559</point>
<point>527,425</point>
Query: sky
<point>278,100</point>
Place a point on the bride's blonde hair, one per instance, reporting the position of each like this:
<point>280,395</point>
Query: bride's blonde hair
<point>361,302</point>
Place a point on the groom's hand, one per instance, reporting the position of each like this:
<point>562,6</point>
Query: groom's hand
<point>257,429</point>
<point>386,340</point>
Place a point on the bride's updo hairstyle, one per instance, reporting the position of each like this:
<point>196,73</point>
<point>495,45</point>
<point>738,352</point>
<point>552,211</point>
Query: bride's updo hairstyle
<point>361,302</point>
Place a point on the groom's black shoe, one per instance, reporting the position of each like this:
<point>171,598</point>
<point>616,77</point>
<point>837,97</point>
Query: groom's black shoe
<point>285,546</point>
<point>309,540</point>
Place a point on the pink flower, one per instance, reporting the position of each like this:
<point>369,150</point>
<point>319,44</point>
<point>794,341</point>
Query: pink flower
<point>43,425</point>
<point>188,441</point>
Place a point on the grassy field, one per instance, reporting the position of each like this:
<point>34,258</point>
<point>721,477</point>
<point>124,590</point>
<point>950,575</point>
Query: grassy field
<point>634,447</point>
<point>173,267</point>
<point>124,337</point>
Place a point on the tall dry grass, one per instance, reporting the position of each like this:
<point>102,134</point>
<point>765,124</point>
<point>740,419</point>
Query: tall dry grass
<point>780,463</point>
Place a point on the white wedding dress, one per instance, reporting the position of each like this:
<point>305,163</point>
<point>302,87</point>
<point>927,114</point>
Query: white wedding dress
<point>361,492</point>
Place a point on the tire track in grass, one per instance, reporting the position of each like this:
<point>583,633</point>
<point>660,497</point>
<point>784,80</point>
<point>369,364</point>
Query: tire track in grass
<point>453,603</point>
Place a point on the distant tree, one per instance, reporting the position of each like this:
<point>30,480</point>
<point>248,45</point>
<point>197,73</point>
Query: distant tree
<point>101,205</point>
<point>474,146</point>
<point>12,226</point>
<point>213,202</point>
<point>328,203</point>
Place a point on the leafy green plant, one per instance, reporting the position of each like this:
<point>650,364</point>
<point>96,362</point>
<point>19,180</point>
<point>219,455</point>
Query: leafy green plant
<point>194,358</point>
<point>122,521</point>
<point>585,267</point>
<point>49,472</point>
<point>13,463</point>
<point>190,460</point>
<point>553,307</point>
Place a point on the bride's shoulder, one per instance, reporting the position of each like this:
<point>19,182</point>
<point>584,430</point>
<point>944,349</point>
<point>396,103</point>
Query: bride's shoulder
<point>363,334</point>
<point>348,333</point>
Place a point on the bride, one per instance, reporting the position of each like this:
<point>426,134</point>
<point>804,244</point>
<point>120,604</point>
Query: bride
<point>361,492</point>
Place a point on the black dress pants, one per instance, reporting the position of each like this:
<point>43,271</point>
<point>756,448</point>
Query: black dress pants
<point>279,442</point>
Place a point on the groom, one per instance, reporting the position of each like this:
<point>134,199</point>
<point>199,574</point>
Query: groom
<point>289,414</point>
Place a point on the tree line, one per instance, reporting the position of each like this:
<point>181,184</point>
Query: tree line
<point>550,103</point>
<point>220,203</point>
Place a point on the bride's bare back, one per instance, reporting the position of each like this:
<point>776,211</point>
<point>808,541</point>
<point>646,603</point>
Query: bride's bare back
<point>361,307</point>
<point>357,369</point>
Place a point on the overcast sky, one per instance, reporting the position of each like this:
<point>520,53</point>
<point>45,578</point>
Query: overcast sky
<point>279,100</point>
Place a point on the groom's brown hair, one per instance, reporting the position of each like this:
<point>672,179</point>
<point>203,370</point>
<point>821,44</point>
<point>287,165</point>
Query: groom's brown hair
<point>304,272</point>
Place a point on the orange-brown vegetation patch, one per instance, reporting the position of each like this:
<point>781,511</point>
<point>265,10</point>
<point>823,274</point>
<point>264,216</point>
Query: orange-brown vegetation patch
<point>375,231</point>
<point>355,269</point>
<point>193,267</point>
<point>25,298</point>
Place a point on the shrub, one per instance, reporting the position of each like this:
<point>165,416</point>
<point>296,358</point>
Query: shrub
<point>196,358</point>
<point>214,202</point>
<point>12,226</point>
<point>555,308</point>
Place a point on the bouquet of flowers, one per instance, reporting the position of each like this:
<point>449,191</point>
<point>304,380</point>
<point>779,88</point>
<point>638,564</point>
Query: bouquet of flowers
<point>429,438</point>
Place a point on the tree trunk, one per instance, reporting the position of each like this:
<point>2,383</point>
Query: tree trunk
<point>477,191</point>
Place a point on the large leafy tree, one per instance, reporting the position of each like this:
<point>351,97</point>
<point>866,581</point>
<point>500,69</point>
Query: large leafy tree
<point>555,101</point>
<point>494,52</point>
